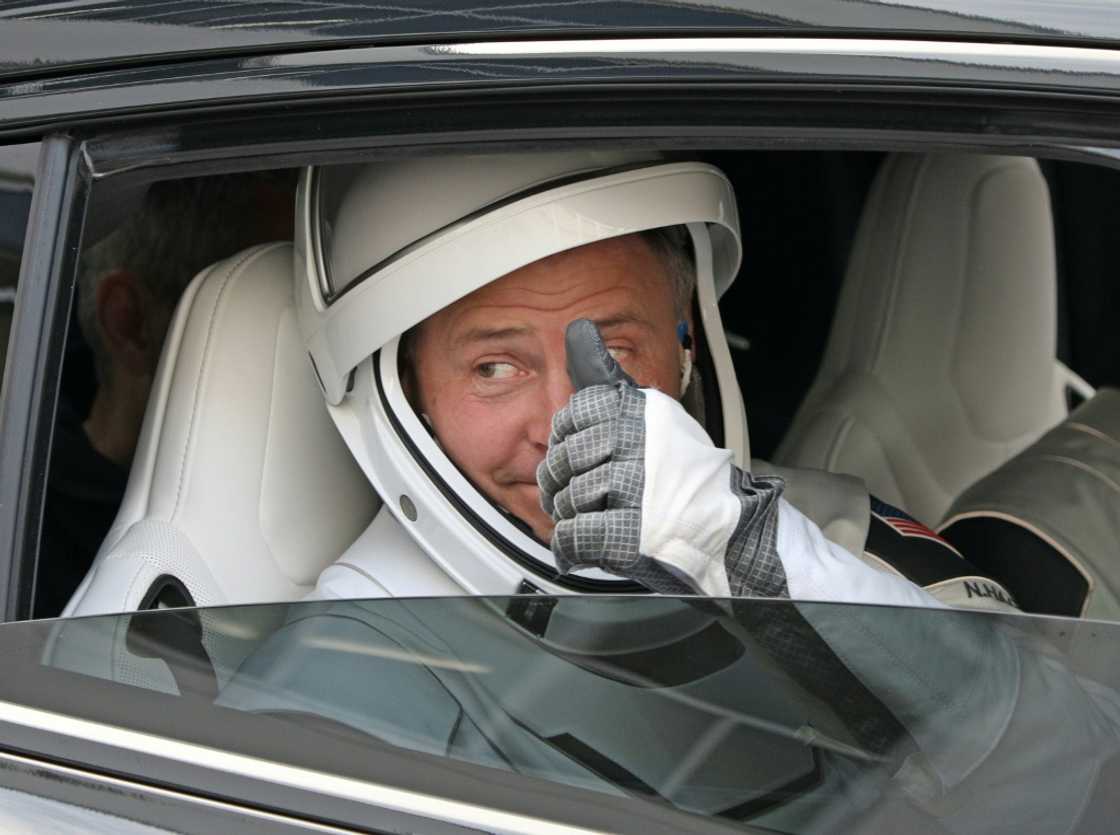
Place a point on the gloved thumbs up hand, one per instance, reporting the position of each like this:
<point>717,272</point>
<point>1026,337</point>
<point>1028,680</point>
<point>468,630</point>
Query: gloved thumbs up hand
<point>589,362</point>
<point>592,477</point>
<point>637,489</point>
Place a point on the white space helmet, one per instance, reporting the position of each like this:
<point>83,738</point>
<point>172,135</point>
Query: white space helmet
<point>382,246</point>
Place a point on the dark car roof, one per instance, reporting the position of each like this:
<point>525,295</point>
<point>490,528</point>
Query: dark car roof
<point>45,38</point>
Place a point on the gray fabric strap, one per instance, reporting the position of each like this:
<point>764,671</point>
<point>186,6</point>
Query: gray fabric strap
<point>754,568</point>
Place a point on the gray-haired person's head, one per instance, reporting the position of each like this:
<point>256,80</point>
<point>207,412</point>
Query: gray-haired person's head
<point>673,245</point>
<point>182,227</point>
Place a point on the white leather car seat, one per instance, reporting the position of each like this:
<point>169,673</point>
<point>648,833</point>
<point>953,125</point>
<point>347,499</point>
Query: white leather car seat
<point>241,489</point>
<point>941,361</point>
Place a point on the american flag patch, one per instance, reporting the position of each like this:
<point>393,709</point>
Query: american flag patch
<point>909,527</point>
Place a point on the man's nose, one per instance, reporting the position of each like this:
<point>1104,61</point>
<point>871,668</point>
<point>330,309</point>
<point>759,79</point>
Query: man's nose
<point>555,395</point>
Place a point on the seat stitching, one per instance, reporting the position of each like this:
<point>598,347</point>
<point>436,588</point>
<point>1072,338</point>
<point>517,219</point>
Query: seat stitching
<point>120,627</point>
<point>268,450</point>
<point>899,483</point>
<point>838,441</point>
<point>161,415</point>
<point>1093,431</point>
<point>1007,444</point>
<point>901,247</point>
<point>234,270</point>
<point>1081,465</point>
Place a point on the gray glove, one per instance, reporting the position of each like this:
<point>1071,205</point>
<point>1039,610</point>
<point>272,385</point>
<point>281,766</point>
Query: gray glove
<point>637,489</point>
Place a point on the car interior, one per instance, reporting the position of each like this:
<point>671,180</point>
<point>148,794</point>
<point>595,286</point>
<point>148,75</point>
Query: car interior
<point>917,320</point>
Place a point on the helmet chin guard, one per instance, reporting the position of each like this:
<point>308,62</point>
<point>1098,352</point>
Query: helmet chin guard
<point>364,275</point>
<point>476,542</point>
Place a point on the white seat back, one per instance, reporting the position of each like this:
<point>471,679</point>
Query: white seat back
<point>941,361</point>
<point>241,488</point>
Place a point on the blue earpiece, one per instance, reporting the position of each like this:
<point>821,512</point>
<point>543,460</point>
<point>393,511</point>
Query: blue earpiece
<point>683,335</point>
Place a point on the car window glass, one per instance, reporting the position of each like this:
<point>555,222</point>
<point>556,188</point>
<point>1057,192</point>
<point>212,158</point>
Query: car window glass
<point>1000,312</point>
<point>17,178</point>
<point>749,710</point>
<point>143,244</point>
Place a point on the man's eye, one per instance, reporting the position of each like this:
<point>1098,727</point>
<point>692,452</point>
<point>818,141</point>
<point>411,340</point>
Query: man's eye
<point>616,352</point>
<point>495,370</point>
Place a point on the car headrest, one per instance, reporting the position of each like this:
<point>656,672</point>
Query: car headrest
<point>240,487</point>
<point>944,339</point>
<point>956,270</point>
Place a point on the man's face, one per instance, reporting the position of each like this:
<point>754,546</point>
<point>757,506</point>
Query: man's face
<point>490,369</point>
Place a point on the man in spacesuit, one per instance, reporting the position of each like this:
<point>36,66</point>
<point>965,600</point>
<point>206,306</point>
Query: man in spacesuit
<point>509,352</point>
<point>453,306</point>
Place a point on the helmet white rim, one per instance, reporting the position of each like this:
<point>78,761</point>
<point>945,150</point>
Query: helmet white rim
<point>354,347</point>
<point>466,256</point>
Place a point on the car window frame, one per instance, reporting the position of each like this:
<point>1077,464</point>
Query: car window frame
<point>70,166</point>
<point>33,366</point>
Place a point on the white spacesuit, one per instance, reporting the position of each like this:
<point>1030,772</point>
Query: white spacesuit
<point>382,247</point>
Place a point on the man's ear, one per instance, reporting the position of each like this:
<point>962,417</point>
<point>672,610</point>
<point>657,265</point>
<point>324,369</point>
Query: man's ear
<point>121,312</point>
